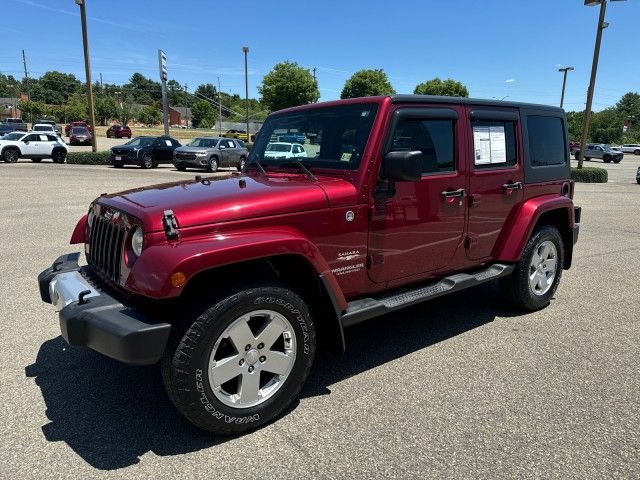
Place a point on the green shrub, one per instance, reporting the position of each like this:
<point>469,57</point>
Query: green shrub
<point>589,175</point>
<point>88,158</point>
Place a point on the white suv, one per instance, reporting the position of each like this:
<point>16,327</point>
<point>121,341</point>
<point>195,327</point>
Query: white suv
<point>35,146</point>
<point>44,128</point>
<point>630,148</point>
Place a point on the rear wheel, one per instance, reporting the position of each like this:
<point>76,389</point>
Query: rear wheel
<point>59,156</point>
<point>636,152</point>
<point>537,274</point>
<point>243,361</point>
<point>147,160</point>
<point>11,155</point>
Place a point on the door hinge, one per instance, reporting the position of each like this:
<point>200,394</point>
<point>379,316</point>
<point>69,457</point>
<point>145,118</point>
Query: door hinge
<point>170,224</point>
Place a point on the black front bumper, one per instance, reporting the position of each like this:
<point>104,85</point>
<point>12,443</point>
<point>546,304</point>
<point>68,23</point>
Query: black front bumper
<point>104,324</point>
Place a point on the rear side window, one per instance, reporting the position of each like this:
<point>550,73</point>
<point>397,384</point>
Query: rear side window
<point>547,144</point>
<point>434,138</point>
<point>494,144</point>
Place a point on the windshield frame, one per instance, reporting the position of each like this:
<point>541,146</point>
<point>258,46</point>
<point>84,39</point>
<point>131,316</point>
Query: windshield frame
<point>311,161</point>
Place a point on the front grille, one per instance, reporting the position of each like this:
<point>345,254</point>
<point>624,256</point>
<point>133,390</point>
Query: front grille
<point>105,247</point>
<point>123,153</point>
<point>185,156</point>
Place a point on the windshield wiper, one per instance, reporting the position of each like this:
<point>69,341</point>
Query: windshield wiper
<point>303,167</point>
<point>263,172</point>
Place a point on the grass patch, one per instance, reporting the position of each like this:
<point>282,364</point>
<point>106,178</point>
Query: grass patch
<point>589,174</point>
<point>89,158</point>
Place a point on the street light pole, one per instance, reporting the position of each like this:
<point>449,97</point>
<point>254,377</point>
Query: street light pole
<point>564,82</point>
<point>219,108</point>
<point>87,68</point>
<point>246,88</point>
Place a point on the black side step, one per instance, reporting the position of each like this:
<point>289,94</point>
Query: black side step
<point>366,308</point>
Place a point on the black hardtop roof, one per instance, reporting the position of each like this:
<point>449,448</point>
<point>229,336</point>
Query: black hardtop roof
<point>406,98</point>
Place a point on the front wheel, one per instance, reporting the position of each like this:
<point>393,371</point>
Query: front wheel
<point>537,275</point>
<point>636,152</point>
<point>240,166</point>
<point>11,155</point>
<point>243,361</point>
<point>147,161</point>
<point>212,166</point>
<point>606,159</point>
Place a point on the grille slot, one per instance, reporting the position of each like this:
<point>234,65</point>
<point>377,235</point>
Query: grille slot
<point>185,156</point>
<point>106,245</point>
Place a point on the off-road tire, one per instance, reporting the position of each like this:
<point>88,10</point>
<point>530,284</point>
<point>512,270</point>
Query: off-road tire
<point>185,369</point>
<point>147,161</point>
<point>515,286</point>
<point>11,155</point>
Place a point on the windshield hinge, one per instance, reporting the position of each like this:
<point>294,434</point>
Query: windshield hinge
<point>170,224</point>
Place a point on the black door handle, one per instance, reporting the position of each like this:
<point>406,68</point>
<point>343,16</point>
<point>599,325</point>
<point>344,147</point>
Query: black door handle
<point>454,193</point>
<point>512,186</point>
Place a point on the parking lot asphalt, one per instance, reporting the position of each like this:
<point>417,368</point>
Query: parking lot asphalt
<point>461,387</point>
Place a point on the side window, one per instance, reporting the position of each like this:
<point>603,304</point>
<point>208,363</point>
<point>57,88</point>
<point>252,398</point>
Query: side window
<point>494,144</point>
<point>175,142</point>
<point>158,143</point>
<point>32,138</point>
<point>52,138</point>
<point>547,144</point>
<point>434,138</point>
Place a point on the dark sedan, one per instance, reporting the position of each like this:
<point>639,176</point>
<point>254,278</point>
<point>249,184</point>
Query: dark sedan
<point>147,152</point>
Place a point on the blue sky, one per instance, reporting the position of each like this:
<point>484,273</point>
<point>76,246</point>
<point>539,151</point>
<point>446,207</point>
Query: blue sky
<point>496,47</point>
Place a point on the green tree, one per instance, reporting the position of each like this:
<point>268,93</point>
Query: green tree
<point>436,86</point>
<point>206,90</point>
<point>31,110</point>
<point>575,121</point>
<point>142,89</point>
<point>9,86</point>
<point>55,88</point>
<point>149,116</point>
<point>76,109</point>
<point>106,109</point>
<point>126,110</point>
<point>203,115</point>
<point>288,85</point>
<point>177,95</point>
<point>366,83</point>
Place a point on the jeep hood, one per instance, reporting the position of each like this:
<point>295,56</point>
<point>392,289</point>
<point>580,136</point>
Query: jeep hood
<point>225,199</point>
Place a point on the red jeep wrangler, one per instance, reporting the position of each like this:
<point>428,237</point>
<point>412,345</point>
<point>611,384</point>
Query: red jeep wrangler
<point>228,281</point>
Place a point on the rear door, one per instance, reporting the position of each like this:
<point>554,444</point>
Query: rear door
<point>417,227</point>
<point>496,175</point>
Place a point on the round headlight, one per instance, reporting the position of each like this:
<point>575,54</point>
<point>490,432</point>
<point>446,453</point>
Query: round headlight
<point>137,239</point>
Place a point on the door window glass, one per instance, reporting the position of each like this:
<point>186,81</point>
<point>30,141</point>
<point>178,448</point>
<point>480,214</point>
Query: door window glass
<point>494,144</point>
<point>434,138</point>
<point>547,145</point>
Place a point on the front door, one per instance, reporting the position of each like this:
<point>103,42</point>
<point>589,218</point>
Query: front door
<point>496,176</point>
<point>417,227</point>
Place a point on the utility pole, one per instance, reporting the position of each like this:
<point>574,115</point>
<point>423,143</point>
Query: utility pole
<point>101,85</point>
<point>26,79</point>
<point>246,88</point>
<point>87,68</point>
<point>219,108</point>
<point>162,61</point>
<point>592,82</point>
<point>564,82</point>
<point>314,76</point>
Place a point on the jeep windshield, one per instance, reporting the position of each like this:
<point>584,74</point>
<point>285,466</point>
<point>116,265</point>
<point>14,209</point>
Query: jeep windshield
<point>335,137</point>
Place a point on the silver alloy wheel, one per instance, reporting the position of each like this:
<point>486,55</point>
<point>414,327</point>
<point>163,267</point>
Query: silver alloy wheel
<point>147,160</point>
<point>213,164</point>
<point>247,369</point>
<point>543,266</point>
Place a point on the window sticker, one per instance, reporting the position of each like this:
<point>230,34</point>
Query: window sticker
<point>168,143</point>
<point>490,145</point>
<point>43,138</point>
<point>346,157</point>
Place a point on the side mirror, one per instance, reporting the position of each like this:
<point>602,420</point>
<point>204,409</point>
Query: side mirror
<point>403,166</point>
<point>222,147</point>
<point>26,142</point>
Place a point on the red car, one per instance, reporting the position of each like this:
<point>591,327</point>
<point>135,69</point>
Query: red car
<point>118,131</point>
<point>80,136</point>
<point>229,281</point>
<point>79,123</point>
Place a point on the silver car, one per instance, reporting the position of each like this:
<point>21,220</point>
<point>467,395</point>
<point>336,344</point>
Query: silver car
<point>211,153</point>
<point>630,148</point>
<point>602,151</point>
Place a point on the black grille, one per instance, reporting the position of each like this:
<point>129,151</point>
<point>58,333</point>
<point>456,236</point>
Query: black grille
<point>106,242</point>
<point>185,156</point>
